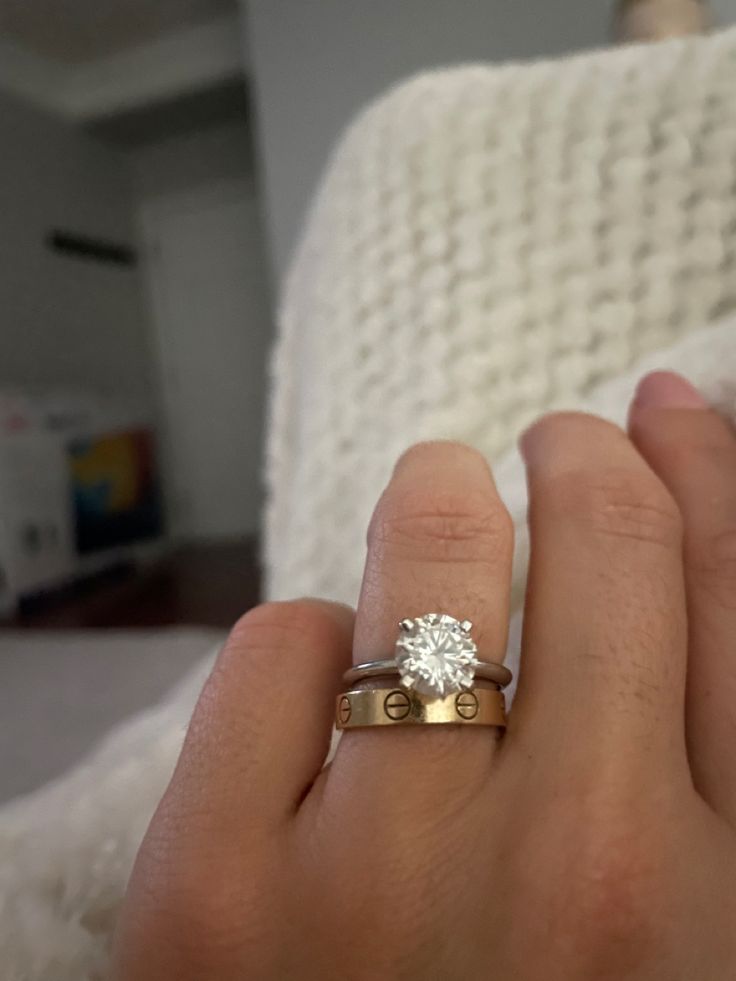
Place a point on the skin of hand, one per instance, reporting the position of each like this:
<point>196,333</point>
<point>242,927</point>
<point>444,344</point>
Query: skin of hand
<point>595,840</point>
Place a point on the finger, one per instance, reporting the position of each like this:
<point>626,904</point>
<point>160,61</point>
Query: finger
<point>694,452</point>
<point>258,737</point>
<point>604,645</point>
<point>261,729</point>
<point>440,541</point>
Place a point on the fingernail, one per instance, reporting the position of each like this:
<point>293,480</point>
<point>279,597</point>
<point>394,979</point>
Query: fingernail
<point>666,390</point>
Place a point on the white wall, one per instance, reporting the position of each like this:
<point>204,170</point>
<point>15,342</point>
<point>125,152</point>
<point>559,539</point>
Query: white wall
<point>724,12</point>
<point>212,324</point>
<point>65,320</point>
<point>192,160</point>
<point>315,62</point>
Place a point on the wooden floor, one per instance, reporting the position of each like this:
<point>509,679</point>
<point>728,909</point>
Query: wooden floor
<point>208,585</point>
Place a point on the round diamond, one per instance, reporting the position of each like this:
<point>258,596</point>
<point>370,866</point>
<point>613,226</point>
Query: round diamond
<point>436,655</point>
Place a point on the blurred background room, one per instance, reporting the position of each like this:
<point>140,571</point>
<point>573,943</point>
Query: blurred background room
<point>157,159</point>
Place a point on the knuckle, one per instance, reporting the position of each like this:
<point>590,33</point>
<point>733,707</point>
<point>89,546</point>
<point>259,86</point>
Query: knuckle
<point>216,921</point>
<point>198,913</point>
<point>620,504</point>
<point>442,525</point>
<point>612,860</point>
<point>712,562</point>
<point>273,627</point>
<point>281,636</point>
<point>200,910</point>
<point>609,899</point>
<point>603,872</point>
<point>396,889</point>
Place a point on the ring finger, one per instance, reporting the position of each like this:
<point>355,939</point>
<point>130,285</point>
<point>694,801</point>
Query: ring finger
<point>440,541</point>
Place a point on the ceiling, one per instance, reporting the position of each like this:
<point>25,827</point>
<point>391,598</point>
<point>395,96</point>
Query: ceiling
<point>225,102</point>
<point>77,31</point>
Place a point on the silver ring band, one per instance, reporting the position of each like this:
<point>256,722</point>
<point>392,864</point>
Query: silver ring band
<point>487,670</point>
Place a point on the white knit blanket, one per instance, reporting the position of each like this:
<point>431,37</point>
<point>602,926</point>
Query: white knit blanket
<point>489,243</point>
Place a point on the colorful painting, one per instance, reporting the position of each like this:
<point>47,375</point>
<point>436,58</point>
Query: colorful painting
<point>115,489</point>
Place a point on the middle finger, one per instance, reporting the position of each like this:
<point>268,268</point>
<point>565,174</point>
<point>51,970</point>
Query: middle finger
<point>604,648</point>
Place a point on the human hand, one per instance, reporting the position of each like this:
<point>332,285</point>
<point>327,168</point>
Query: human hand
<point>595,840</point>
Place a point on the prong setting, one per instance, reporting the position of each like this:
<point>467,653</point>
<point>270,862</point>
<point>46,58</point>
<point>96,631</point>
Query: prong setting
<point>436,655</point>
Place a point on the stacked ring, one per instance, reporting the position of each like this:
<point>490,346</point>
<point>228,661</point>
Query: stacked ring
<point>397,706</point>
<point>437,667</point>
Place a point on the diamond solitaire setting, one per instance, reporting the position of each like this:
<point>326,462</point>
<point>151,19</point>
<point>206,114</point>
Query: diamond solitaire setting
<point>436,655</point>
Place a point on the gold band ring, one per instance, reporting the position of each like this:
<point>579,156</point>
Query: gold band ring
<point>398,706</point>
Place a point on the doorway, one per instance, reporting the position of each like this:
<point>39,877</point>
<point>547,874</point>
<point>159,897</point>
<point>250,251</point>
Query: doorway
<point>212,330</point>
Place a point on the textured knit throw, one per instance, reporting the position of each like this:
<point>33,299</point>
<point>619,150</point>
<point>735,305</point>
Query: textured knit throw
<point>488,243</point>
